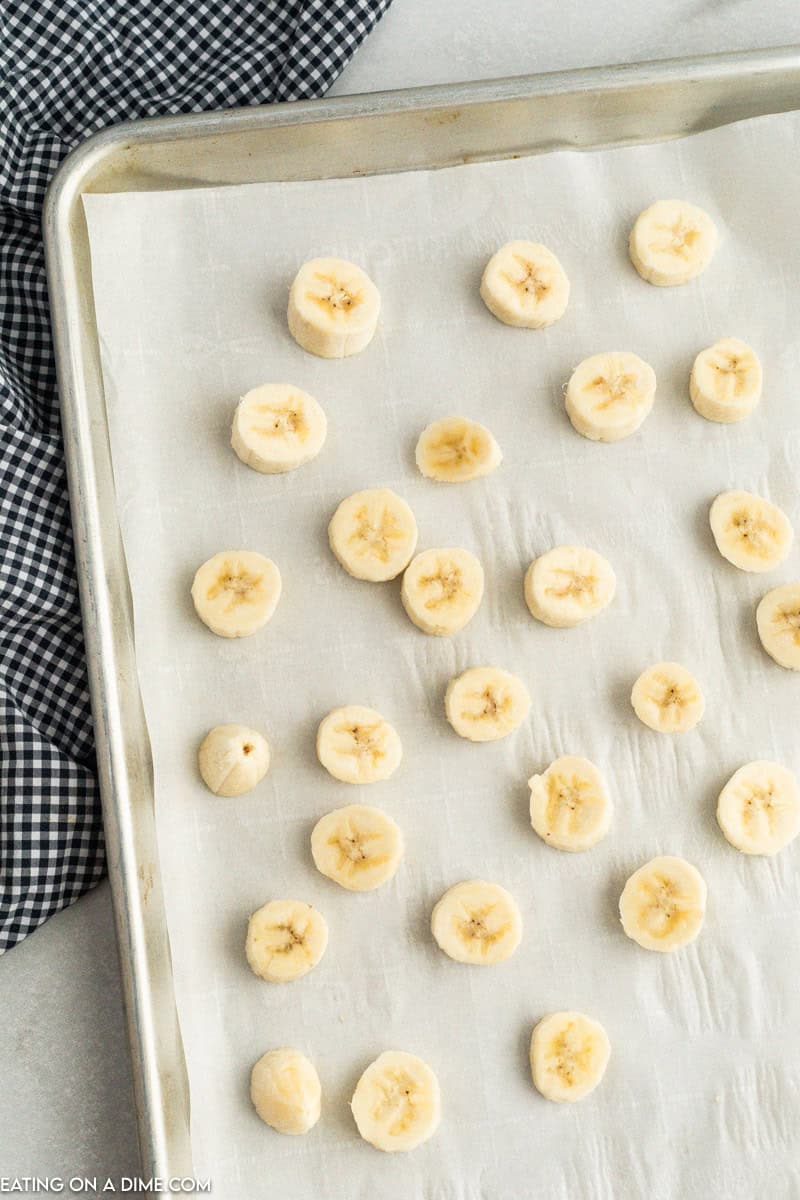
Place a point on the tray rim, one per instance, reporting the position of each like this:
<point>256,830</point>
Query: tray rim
<point>125,770</point>
<point>725,65</point>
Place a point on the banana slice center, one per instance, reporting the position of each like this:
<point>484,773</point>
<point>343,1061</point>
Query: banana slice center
<point>476,926</point>
<point>664,906</point>
<point>615,389</point>
<point>354,852</point>
<point>567,802</point>
<point>351,848</point>
<point>396,1104</point>
<point>758,533</point>
<point>284,939</point>
<point>365,741</point>
<point>282,419</point>
<point>760,806</point>
<point>572,1054</point>
<point>490,705</point>
<point>447,583</point>
<point>679,239</point>
<point>672,695</point>
<point>333,298</point>
<point>375,538</point>
<point>733,372</point>
<point>581,587</point>
<point>457,448</point>
<point>788,622</point>
<point>530,282</point>
<point>241,586</point>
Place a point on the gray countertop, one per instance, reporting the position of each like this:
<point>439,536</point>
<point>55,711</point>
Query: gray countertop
<point>65,1103</point>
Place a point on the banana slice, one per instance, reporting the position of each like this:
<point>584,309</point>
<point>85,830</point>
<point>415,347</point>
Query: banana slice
<point>663,904</point>
<point>333,308</point>
<point>285,939</point>
<point>486,703</point>
<point>236,592</point>
<point>356,745</point>
<point>569,1056</point>
<point>373,534</point>
<point>233,759</point>
<point>609,395</point>
<point>477,922</point>
<point>442,590</point>
<point>286,1092</point>
<point>568,585</point>
<point>357,847</point>
<point>667,698</point>
<point>570,807</point>
<point>277,428</point>
<point>525,285</point>
<point>725,383</point>
<point>759,808</point>
<point>778,621</point>
<point>397,1104</point>
<point>456,449</point>
<point>750,532</point>
<point>671,242</point>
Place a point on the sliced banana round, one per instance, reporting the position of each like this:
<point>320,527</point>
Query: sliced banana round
<point>663,904</point>
<point>570,806</point>
<point>778,622</point>
<point>759,808</point>
<point>750,532</point>
<point>525,285</point>
<point>569,1056</point>
<point>486,703</point>
<point>356,745</point>
<point>667,698</point>
<point>672,242</point>
<point>286,1092</point>
<point>442,590</point>
<point>726,379</point>
<point>233,759</point>
<point>333,308</point>
<point>358,847</point>
<point>477,922</point>
<point>277,427</point>
<point>568,585</point>
<point>455,449</point>
<point>236,592</point>
<point>397,1104</point>
<point>609,395</point>
<point>285,939</point>
<point>373,534</point>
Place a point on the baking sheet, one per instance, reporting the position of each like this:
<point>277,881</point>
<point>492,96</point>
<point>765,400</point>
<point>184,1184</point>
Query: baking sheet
<point>190,289</point>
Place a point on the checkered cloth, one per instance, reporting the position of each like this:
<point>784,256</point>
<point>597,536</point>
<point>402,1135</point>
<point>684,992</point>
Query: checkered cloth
<point>68,68</point>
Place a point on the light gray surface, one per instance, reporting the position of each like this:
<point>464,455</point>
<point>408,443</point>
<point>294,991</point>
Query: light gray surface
<point>65,1096</point>
<point>440,41</point>
<point>65,1099</point>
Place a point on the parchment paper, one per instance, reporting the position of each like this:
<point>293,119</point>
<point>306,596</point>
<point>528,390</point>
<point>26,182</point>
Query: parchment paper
<point>700,1098</point>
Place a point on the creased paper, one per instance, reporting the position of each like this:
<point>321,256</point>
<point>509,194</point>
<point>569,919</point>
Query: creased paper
<point>700,1098</point>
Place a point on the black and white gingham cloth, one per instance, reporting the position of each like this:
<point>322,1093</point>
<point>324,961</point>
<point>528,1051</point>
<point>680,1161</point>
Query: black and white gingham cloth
<point>68,68</point>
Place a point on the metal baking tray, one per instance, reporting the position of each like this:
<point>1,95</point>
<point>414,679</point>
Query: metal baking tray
<point>352,135</point>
